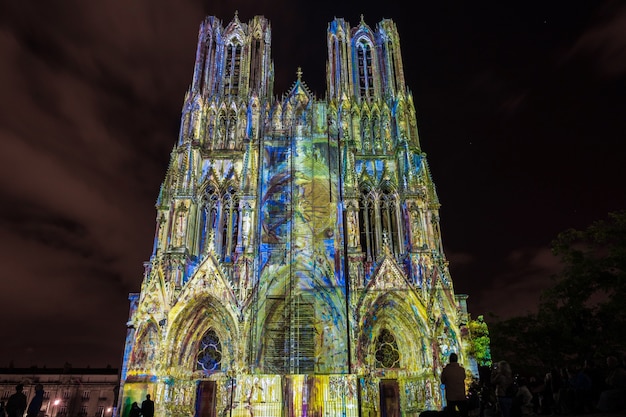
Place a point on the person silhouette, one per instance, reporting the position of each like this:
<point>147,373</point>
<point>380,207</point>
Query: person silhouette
<point>35,403</point>
<point>453,378</point>
<point>16,404</point>
<point>502,378</point>
<point>135,411</point>
<point>612,397</point>
<point>147,407</point>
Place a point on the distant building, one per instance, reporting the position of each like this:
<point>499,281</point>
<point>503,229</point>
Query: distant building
<point>69,392</point>
<point>297,267</point>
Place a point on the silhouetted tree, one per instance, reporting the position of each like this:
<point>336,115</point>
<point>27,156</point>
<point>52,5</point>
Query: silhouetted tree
<point>583,314</point>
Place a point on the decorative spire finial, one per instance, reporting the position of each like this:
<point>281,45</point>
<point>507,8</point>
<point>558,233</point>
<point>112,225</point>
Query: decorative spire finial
<point>362,20</point>
<point>299,73</point>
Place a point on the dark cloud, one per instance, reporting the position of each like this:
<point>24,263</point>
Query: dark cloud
<point>515,284</point>
<point>520,107</point>
<point>603,45</point>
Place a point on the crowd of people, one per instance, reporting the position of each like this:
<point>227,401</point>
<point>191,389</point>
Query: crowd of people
<point>16,404</point>
<point>577,389</point>
<point>580,388</point>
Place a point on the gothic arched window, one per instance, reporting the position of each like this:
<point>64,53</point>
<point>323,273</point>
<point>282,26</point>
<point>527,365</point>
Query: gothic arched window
<point>209,352</point>
<point>379,223</point>
<point>367,224</point>
<point>387,354</point>
<point>256,62</point>
<point>232,68</point>
<point>390,70</point>
<point>229,225</point>
<point>389,219</point>
<point>364,65</point>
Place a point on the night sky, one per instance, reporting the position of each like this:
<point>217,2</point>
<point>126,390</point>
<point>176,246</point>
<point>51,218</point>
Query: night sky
<point>521,109</point>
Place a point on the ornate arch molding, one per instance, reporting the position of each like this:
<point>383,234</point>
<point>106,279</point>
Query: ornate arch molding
<point>192,325</point>
<point>390,302</point>
<point>207,302</point>
<point>390,311</point>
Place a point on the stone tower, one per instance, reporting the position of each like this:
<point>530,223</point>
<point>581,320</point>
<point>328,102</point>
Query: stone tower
<point>297,266</point>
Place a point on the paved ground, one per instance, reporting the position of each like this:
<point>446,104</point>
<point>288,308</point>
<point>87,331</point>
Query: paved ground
<point>590,414</point>
<point>595,414</point>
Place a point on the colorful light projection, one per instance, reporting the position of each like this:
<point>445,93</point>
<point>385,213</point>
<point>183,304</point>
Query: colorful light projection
<point>297,268</point>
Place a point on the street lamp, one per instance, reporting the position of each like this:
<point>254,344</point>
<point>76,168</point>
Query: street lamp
<point>56,402</point>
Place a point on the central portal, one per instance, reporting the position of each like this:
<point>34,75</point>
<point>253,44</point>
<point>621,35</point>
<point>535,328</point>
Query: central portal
<point>205,399</point>
<point>389,398</point>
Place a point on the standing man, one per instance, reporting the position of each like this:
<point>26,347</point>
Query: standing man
<point>35,404</point>
<point>147,407</point>
<point>453,378</point>
<point>16,404</point>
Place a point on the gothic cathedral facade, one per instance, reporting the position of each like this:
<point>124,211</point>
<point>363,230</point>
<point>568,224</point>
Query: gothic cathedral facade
<point>297,266</point>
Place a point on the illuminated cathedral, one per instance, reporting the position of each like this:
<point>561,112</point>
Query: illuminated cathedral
<point>297,266</point>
